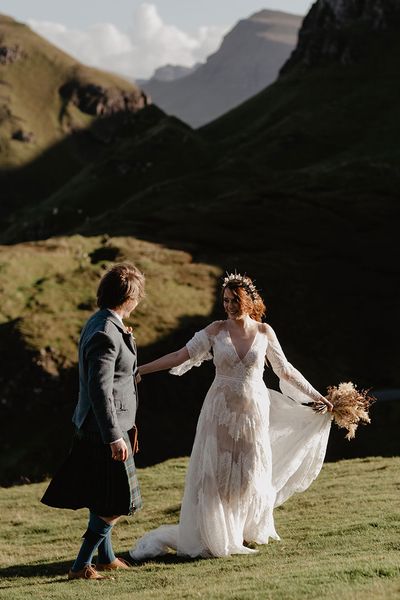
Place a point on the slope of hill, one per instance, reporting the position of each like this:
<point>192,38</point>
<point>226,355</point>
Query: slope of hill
<point>249,59</point>
<point>45,94</point>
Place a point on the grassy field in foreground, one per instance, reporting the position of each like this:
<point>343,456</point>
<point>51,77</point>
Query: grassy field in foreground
<point>340,539</point>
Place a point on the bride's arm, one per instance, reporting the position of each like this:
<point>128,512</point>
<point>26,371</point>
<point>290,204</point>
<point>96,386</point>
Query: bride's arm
<point>286,371</point>
<point>168,361</point>
<point>193,354</point>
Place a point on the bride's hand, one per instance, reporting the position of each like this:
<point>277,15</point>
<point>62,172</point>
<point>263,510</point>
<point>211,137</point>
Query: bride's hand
<point>322,406</point>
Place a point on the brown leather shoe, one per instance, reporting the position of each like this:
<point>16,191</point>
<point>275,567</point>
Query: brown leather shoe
<point>88,572</point>
<point>118,563</point>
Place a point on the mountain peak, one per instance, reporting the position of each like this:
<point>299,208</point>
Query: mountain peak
<point>274,15</point>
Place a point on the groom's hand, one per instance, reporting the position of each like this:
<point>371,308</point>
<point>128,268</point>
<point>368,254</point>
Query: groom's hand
<point>119,450</point>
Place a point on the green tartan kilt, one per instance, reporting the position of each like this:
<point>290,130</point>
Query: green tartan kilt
<point>91,478</point>
<point>134,488</point>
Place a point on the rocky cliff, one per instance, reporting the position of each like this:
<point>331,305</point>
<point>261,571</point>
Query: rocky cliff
<point>337,30</point>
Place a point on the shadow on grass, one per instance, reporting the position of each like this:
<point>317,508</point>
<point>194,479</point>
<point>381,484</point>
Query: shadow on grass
<point>168,559</point>
<point>60,569</point>
<point>42,570</point>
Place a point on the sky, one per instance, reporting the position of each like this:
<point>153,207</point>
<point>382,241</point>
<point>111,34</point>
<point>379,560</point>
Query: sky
<point>134,37</point>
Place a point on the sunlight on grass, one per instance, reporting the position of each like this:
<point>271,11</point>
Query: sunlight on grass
<point>340,539</point>
<point>50,287</point>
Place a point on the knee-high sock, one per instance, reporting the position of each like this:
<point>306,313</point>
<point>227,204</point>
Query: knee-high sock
<point>96,532</point>
<point>105,553</point>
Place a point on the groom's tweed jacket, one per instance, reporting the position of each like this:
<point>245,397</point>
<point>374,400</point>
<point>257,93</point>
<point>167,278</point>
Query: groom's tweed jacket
<point>107,365</point>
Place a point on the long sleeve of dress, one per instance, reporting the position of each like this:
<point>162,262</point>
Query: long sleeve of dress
<point>286,371</point>
<point>199,350</point>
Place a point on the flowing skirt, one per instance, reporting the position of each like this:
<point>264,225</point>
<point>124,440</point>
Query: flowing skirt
<point>253,449</point>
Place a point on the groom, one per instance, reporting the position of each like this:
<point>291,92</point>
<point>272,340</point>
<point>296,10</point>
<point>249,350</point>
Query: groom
<point>99,472</point>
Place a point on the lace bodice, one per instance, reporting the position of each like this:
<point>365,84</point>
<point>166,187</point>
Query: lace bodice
<point>265,346</point>
<point>228,363</point>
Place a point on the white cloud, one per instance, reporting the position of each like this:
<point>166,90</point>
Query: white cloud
<point>150,43</point>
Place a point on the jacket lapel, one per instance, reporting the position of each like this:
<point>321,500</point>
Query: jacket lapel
<point>128,338</point>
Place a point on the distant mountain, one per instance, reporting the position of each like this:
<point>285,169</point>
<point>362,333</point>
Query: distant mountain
<point>169,73</point>
<point>248,60</point>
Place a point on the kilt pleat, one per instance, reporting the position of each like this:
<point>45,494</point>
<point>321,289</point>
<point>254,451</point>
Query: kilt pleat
<point>91,478</point>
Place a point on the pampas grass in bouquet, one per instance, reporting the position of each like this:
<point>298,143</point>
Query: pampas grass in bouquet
<point>350,406</point>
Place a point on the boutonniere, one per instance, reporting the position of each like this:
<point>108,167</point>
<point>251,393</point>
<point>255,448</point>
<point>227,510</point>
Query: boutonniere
<point>129,330</point>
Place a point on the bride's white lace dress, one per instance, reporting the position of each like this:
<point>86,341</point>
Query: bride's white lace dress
<point>253,449</point>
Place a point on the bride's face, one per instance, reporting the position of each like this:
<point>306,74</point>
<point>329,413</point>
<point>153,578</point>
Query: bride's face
<point>232,305</point>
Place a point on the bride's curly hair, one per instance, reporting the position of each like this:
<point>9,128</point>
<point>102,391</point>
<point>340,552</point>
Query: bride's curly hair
<point>247,296</point>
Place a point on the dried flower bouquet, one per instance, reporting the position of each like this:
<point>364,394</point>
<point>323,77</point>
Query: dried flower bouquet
<point>350,406</point>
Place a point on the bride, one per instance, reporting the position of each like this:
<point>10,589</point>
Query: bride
<point>254,447</point>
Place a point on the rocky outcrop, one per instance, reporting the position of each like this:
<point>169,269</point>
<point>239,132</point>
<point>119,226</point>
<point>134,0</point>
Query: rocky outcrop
<point>96,100</point>
<point>10,54</point>
<point>335,30</point>
<point>22,136</point>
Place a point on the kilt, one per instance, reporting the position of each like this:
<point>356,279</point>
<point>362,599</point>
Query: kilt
<point>91,478</point>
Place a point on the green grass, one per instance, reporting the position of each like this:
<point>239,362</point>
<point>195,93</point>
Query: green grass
<point>340,539</point>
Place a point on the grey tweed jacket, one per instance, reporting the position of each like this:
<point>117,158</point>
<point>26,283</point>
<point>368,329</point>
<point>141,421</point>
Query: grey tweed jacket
<point>107,366</point>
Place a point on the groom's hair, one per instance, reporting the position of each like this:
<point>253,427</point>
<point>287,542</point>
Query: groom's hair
<point>122,282</point>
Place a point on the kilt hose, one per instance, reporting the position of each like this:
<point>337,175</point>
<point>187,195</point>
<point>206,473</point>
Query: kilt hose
<point>91,478</point>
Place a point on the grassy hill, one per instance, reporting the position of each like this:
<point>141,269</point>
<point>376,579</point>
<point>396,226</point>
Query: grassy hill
<point>46,97</point>
<point>298,187</point>
<point>340,539</point>
<point>33,74</point>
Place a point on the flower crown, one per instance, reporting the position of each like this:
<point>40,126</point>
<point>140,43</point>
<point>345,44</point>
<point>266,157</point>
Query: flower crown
<point>241,281</point>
